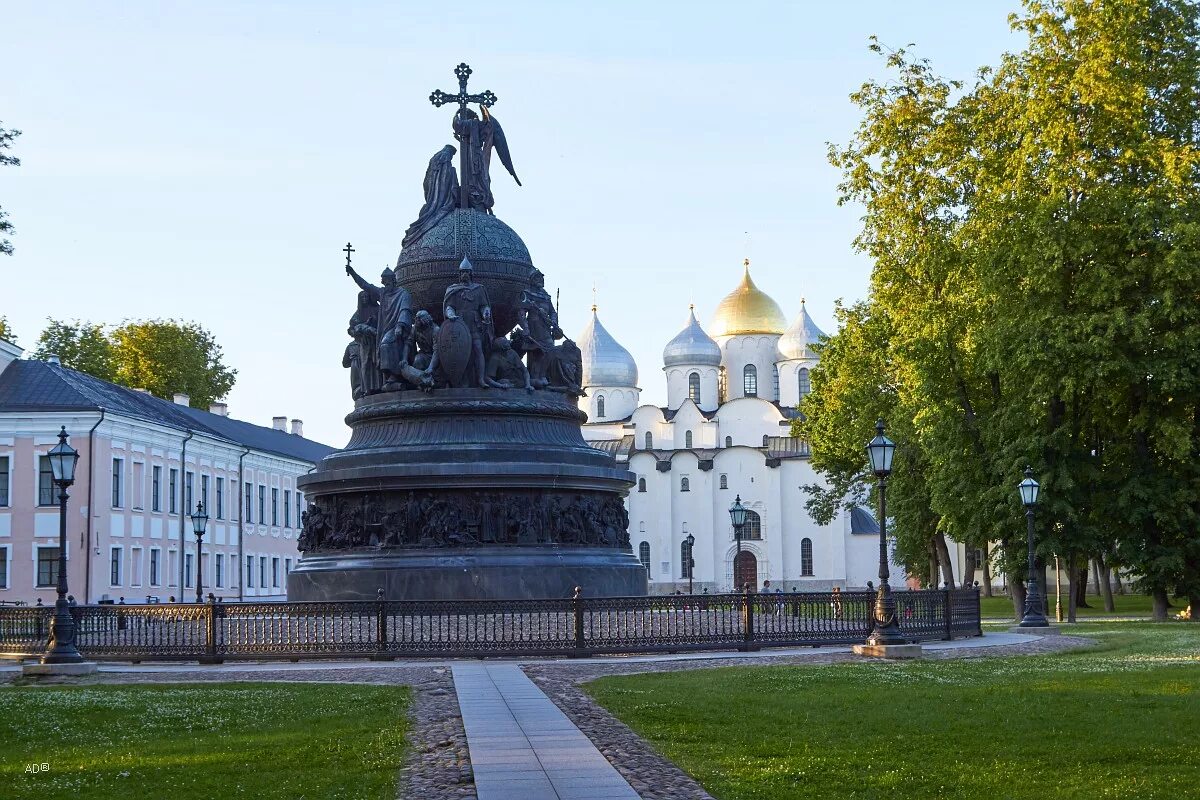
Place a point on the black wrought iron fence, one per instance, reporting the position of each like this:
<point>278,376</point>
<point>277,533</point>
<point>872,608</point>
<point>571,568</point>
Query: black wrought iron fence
<point>581,626</point>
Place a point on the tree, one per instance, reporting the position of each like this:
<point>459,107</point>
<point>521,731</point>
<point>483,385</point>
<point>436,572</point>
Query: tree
<point>6,227</point>
<point>6,331</point>
<point>82,346</point>
<point>167,356</point>
<point>164,357</point>
<point>1036,244</point>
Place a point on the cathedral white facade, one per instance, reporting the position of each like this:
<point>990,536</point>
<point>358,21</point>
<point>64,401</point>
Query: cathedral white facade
<point>724,434</point>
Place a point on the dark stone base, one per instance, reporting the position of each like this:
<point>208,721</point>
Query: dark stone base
<point>476,573</point>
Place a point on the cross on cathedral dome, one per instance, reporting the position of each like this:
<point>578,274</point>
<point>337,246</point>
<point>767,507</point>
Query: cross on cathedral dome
<point>747,309</point>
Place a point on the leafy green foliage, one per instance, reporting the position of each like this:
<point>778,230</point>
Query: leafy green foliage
<point>162,356</point>
<point>6,331</point>
<point>6,139</point>
<point>1128,711</point>
<point>1036,248</point>
<point>165,357</point>
<point>82,346</point>
<point>199,741</point>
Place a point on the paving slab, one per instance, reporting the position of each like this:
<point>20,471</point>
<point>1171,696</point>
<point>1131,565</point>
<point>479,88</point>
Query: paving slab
<point>522,746</point>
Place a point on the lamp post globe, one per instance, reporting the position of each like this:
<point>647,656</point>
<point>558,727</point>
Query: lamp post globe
<point>886,630</point>
<point>737,515</point>
<point>61,649</point>
<point>199,525</point>
<point>1034,616</point>
<point>691,562</point>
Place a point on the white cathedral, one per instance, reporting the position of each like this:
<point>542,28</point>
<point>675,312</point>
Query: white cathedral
<point>724,434</point>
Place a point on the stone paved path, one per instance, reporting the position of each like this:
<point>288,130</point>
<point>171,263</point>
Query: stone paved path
<point>523,747</point>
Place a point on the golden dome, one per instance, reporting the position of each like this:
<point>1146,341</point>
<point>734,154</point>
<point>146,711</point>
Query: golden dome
<point>747,309</point>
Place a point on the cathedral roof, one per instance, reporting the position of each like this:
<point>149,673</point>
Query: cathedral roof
<point>605,361</point>
<point>747,309</point>
<point>692,347</point>
<point>801,335</point>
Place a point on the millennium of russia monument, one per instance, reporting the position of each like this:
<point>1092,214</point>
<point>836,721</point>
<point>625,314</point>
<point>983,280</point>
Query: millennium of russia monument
<point>466,475</point>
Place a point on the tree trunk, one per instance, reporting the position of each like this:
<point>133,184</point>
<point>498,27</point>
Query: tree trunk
<point>1161,604</point>
<point>943,553</point>
<point>1081,585</point>
<point>1117,578</point>
<point>968,573</point>
<point>1105,583</point>
<point>1072,587</point>
<point>931,578</point>
<point>987,571</point>
<point>1016,588</point>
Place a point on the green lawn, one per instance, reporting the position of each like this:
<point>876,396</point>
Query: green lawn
<point>202,741</point>
<point>1139,604</point>
<point>1118,721</point>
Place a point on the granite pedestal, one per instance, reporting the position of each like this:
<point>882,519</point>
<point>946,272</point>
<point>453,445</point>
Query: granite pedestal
<point>466,494</point>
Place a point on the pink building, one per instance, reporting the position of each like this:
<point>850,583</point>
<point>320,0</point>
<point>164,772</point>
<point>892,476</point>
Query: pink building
<point>144,464</point>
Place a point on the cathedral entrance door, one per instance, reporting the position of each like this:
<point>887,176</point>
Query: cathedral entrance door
<point>745,570</point>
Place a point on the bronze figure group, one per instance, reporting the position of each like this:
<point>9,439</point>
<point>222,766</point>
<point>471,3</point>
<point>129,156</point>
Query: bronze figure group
<point>394,348</point>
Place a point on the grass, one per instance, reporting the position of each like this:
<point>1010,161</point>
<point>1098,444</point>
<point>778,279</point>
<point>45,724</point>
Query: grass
<point>184,741</point>
<point>1117,721</point>
<point>1130,604</point>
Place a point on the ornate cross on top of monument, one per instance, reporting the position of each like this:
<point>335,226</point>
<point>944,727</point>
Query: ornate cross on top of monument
<point>347,250</point>
<point>463,73</point>
<point>476,135</point>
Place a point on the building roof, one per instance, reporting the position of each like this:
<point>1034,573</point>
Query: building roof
<point>40,386</point>
<point>861,521</point>
<point>692,346</point>
<point>801,335</point>
<point>747,309</point>
<point>605,361</point>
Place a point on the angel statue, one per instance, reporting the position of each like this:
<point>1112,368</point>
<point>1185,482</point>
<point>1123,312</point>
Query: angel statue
<point>478,137</point>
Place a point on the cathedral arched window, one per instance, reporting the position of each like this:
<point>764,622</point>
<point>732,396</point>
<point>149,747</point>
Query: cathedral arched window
<point>724,481</point>
<point>649,440</point>
<point>687,439</point>
<point>806,561</point>
<point>641,484</point>
<point>685,485</point>
<point>600,406</point>
<point>802,378</point>
<point>644,555</point>
<point>694,387</point>
<point>729,441</point>
<point>685,559</point>
<point>750,381</point>
<point>753,526</point>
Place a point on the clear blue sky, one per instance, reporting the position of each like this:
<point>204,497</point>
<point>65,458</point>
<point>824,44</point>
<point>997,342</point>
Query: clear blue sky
<point>209,160</point>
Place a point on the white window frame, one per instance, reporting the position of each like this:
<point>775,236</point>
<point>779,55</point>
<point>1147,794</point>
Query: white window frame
<point>6,486</point>
<point>135,567</point>
<point>6,570</point>
<point>118,482</point>
<point>37,549</point>
<point>119,551</point>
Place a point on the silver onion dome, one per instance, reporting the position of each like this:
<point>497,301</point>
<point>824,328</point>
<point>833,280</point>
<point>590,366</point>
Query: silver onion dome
<point>692,347</point>
<point>605,361</point>
<point>800,336</point>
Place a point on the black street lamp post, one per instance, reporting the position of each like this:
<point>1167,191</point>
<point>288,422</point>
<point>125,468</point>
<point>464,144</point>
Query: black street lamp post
<point>199,524</point>
<point>887,630</point>
<point>737,515</point>
<point>1034,616</point>
<point>62,649</point>
<point>691,562</point>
